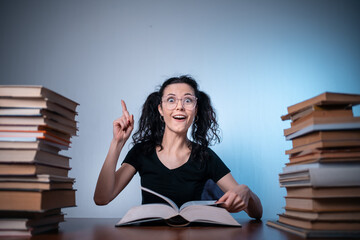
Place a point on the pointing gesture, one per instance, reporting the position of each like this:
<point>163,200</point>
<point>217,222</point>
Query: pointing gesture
<point>123,126</point>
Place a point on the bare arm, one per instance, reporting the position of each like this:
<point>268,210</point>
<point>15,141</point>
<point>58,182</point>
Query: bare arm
<point>111,181</point>
<point>239,197</point>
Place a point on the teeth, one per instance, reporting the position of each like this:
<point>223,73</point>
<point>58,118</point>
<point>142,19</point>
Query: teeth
<point>179,117</point>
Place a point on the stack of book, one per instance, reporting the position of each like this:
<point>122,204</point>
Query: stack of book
<point>322,177</point>
<point>35,125</point>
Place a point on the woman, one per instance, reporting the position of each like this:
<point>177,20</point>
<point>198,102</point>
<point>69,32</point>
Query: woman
<point>167,161</point>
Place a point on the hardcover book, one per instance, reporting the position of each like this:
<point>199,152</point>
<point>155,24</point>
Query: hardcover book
<point>191,212</point>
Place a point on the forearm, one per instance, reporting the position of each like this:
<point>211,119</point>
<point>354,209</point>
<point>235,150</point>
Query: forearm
<point>105,186</point>
<point>254,208</point>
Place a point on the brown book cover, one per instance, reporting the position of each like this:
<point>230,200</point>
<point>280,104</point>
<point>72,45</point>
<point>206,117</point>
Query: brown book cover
<point>21,136</point>
<point>25,113</point>
<point>345,113</point>
<point>308,233</point>
<point>327,216</point>
<point>325,155</point>
<point>40,182</point>
<point>325,144</point>
<point>325,160</point>
<point>37,103</point>
<point>331,151</point>
<point>33,156</point>
<point>318,224</point>
<point>11,169</point>
<point>326,136</point>
<point>29,223</point>
<point>39,121</point>
<point>36,200</point>
<point>324,192</point>
<point>27,214</point>
<point>321,121</point>
<point>323,204</point>
<point>353,125</point>
<point>298,115</point>
<point>326,98</point>
<point>39,144</point>
<point>27,91</point>
<point>30,232</point>
<point>35,185</point>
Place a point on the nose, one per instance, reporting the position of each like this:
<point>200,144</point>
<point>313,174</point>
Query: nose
<point>179,104</point>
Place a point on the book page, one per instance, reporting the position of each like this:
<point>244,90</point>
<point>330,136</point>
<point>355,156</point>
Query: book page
<point>192,203</point>
<point>148,211</point>
<point>208,214</point>
<point>168,200</point>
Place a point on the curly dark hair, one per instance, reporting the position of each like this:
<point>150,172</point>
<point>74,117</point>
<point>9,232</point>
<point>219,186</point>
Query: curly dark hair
<point>205,129</point>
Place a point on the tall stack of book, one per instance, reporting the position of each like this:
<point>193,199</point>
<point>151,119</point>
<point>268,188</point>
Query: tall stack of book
<point>35,125</point>
<point>322,177</point>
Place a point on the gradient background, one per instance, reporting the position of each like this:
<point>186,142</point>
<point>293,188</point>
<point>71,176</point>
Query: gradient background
<point>254,58</point>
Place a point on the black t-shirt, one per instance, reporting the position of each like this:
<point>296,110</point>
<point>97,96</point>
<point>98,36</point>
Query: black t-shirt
<point>181,184</point>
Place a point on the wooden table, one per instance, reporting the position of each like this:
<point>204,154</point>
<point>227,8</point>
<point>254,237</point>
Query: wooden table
<point>103,229</point>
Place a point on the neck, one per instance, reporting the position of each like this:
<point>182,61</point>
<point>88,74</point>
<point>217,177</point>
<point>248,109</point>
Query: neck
<point>173,142</point>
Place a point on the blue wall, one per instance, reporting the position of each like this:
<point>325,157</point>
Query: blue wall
<point>254,58</point>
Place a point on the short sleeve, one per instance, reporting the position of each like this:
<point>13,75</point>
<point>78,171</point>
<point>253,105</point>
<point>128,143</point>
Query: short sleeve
<point>132,157</point>
<point>216,167</point>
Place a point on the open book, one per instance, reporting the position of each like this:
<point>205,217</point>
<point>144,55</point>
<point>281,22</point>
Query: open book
<point>190,212</point>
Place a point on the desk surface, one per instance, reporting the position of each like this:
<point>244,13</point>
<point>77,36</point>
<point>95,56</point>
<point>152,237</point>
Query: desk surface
<point>104,228</point>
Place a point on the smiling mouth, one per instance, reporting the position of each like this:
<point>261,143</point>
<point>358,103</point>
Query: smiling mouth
<point>179,117</point>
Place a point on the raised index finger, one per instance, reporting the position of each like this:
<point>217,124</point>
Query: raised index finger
<point>124,109</point>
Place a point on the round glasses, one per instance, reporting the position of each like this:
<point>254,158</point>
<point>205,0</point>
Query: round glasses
<point>188,102</point>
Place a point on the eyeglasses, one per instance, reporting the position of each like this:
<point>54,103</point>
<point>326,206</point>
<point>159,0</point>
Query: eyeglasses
<point>188,102</point>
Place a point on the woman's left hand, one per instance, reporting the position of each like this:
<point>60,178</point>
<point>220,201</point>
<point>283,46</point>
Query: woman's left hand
<point>236,199</point>
<point>239,197</point>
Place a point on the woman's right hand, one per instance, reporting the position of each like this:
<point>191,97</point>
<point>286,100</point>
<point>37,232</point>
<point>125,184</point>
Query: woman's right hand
<point>111,181</point>
<point>123,126</point>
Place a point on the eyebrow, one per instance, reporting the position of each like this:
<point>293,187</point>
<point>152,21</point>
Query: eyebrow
<point>186,94</point>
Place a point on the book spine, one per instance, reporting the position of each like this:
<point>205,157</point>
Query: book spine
<point>326,177</point>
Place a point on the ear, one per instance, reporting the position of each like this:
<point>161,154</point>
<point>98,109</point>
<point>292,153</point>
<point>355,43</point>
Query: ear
<point>160,110</point>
